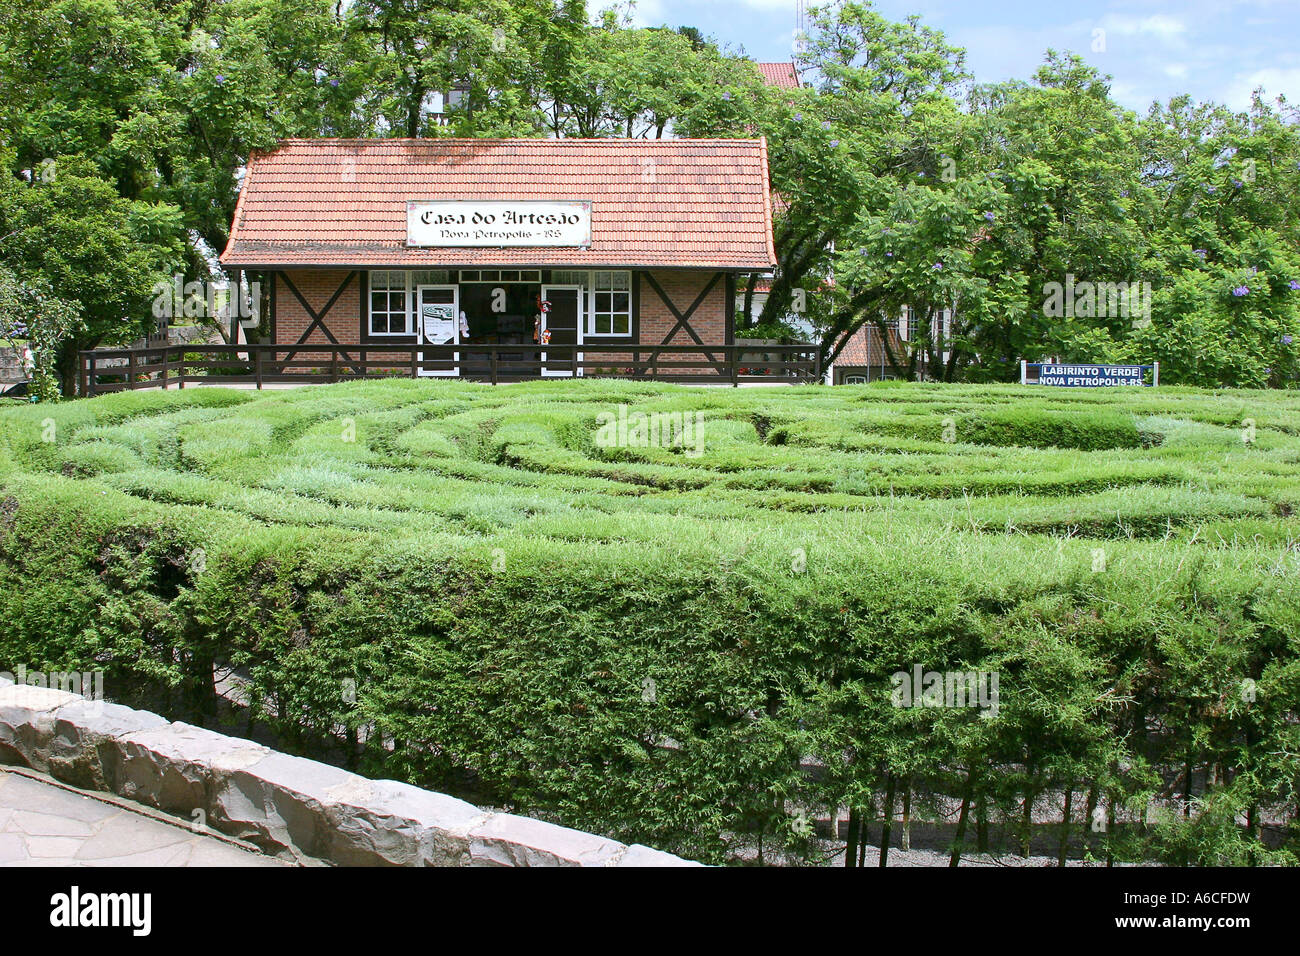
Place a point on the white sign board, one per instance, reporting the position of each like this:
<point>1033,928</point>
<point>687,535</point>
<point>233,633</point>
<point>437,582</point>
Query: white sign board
<point>439,323</point>
<point>1086,376</point>
<point>498,224</point>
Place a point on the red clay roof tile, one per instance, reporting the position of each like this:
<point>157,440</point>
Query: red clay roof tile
<point>682,203</point>
<point>782,75</point>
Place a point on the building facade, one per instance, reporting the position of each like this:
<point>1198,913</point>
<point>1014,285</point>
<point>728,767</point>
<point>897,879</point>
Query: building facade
<point>563,253</point>
<point>865,357</point>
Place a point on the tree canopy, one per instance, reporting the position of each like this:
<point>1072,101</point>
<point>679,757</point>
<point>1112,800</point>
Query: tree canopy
<point>899,180</point>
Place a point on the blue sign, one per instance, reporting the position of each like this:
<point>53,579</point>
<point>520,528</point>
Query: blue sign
<point>1087,376</point>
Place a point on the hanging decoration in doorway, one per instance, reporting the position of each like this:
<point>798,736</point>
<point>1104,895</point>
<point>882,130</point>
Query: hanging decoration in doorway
<point>540,335</point>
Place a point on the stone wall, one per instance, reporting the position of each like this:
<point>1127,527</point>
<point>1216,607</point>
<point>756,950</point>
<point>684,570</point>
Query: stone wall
<point>289,807</point>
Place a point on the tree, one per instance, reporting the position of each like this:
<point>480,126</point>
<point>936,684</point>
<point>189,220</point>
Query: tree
<point>30,312</point>
<point>925,251</point>
<point>1225,245</point>
<point>879,113</point>
<point>72,235</point>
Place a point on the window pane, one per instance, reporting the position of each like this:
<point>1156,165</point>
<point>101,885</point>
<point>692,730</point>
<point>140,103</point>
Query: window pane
<point>609,281</point>
<point>623,324</point>
<point>622,302</point>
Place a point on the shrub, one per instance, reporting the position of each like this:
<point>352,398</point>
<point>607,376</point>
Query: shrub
<point>659,647</point>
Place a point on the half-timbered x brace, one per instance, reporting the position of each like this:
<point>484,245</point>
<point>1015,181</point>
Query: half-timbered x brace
<point>683,318</point>
<point>317,318</point>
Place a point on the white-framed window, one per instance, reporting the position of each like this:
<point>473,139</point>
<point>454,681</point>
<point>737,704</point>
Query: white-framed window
<point>388,305</point>
<point>909,326</point>
<point>392,298</point>
<point>611,304</point>
<point>501,275</point>
<point>430,277</point>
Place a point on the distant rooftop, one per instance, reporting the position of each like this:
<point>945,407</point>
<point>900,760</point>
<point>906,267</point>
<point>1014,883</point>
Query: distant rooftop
<point>782,75</point>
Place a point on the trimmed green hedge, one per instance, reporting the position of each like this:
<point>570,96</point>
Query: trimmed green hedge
<point>1027,427</point>
<point>686,668</point>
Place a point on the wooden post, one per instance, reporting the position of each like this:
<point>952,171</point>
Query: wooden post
<point>334,365</point>
<point>257,366</point>
<point>493,356</point>
<point>735,377</point>
<point>83,384</point>
<point>130,369</point>
<point>415,362</point>
<point>180,371</point>
<point>1024,372</point>
<point>166,366</point>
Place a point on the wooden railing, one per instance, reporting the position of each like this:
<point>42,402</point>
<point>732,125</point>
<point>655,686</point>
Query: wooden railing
<point>175,366</point>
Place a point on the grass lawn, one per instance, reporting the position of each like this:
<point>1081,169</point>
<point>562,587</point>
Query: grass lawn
<point>808,464</point>
<point>502,589</point>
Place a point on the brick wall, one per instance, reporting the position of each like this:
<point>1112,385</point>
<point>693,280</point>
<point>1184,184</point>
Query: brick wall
<point>709,321</point>
<point>318,286</point>
<point>682,286</point>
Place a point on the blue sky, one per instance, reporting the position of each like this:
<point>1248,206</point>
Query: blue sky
<point>1213,49</point>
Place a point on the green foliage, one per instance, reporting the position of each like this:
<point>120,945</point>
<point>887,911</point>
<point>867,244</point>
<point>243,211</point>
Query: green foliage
<point>989,193</point>
<point>30,313</point>
<point>1029,427</point>
<point>69,232</point>
<point>658,646</point>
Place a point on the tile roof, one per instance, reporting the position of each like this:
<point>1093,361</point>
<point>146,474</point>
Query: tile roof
<point>864,347</point>
<point>681,203</point>
<point>782,75</point>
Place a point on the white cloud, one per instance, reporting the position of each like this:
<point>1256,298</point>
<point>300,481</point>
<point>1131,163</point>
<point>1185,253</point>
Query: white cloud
<point>646,13</point>
<point>1274,80</point>
<point>1159,25</point>
<point>768,5</point>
